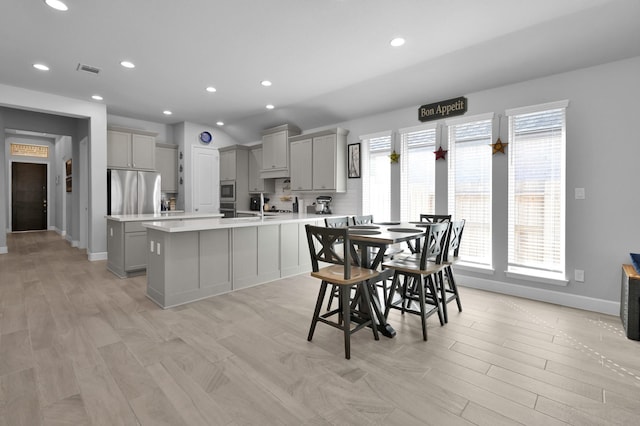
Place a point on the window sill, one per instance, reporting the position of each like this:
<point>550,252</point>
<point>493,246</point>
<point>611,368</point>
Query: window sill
<point>472,267</point>
<point>536,276</point>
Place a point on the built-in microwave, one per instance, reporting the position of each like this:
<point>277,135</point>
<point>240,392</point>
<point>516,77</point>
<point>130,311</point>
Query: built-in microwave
<point>228,191</point>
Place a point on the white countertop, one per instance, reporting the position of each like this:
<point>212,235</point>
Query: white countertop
<point>168,215</point>
<point>236,222</point>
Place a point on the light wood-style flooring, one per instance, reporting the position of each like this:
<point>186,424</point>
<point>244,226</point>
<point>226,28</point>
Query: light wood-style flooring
<point>79,346</point>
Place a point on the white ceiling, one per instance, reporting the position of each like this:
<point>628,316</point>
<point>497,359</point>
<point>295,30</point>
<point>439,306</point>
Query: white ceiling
<point>329,60</point>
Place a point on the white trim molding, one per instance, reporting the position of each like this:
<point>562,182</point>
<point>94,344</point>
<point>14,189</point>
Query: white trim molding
<point>97,256</point>
<point>4,250</point>
<point>542,295</point>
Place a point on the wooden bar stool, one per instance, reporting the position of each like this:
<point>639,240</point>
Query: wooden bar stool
<point>449,289</point>
<point>421,273</point>
<point>343,275</point>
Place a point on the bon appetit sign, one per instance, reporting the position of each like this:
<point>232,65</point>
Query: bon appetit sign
<point>443,109</point>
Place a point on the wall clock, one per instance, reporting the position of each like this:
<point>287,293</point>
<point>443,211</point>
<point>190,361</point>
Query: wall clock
<point>205,137</point>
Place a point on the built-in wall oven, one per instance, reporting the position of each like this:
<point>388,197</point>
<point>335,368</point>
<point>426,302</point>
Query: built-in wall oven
<point>228,209</point>
<point>228,191</point>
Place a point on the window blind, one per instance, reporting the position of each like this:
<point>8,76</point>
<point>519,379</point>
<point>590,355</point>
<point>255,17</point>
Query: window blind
<point>376,177</point>
<point>469,156</point>
<point>417,174</point>
<point>537,192</point>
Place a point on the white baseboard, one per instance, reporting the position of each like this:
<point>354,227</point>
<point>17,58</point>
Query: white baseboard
<point>97,256</point>
<point>4,250</point>
<point>60,232</point>
<point>75,243</point>
<point>543,295</point>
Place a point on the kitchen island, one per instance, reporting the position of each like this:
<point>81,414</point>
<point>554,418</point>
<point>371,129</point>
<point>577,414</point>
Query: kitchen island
<point>127,239</point>
<point>194,259</point>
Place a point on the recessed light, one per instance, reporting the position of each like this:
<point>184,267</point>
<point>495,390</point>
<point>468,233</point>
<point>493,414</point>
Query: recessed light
<point>127,64</point>
<point>96,97</point>
<point>265,83</point>
<point>167,112</point>
<point>397,42</point>
<point>41,67</point>
<point>220,123</point>
<point>211,89</point>
<point>270,106</point>
<point>57,5</point>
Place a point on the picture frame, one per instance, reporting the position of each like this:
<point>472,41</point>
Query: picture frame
<point>353,160</point>
<point>69,184</point>
<point>68,167</point>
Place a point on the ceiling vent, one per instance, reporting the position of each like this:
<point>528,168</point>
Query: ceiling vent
<point>88,68</point>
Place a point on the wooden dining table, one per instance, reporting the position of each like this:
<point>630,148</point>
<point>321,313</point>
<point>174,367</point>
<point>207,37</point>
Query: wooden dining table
<point>380,236</point>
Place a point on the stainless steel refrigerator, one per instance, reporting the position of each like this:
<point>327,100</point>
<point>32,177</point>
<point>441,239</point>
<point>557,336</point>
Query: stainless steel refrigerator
<point>132,192</point>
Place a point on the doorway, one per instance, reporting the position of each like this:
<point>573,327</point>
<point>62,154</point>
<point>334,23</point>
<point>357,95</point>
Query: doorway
<point>28,196</point>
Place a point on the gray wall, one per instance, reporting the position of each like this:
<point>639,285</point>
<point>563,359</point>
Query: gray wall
<point>602,154</point>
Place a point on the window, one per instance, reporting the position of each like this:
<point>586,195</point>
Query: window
<point>537,190</point>
<point>417,176</point>
<point>376,176</point>
<point>470,185</point>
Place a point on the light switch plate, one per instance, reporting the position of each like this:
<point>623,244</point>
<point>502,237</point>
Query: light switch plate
<point>158,246</point>
<point>151,246</point>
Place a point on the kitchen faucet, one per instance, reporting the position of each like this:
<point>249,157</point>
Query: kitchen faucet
<point>261,205</point>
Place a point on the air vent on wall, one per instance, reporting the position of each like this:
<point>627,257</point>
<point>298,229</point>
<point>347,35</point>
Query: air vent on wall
<point>88,68</point>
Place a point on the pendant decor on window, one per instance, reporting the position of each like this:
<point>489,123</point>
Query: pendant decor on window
<point>499,146</point>
<point>440,153</point>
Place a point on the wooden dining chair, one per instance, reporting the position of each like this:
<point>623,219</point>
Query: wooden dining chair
<point>343,275</point>
<point>361,220</point>
<point>435,218</point>
<point>414,247</point>
<point>449,289</point>
<point>335,222</point>
<point>415,278</point>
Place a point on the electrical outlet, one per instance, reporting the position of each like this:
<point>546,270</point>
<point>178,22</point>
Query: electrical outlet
<point>579,275</point>
<point>580,194</point>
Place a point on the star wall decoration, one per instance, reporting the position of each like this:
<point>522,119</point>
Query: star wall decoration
<point>394,156</point>
<point>440,154</point>
<point>498,146</point>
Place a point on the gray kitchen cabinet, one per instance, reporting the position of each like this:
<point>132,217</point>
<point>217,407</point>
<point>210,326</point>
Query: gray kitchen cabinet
<point>275,151</point>
<point>302,165</point>
<point>135,244</point>
<point>167,165</point>
<point>294,249</point>
<point>126,248</point>
<point>228,165</point>
<point>321,161</point>
<point>131,149</point>
<point>260,258</point>
<point>256,183</point>
<point>196,264</point>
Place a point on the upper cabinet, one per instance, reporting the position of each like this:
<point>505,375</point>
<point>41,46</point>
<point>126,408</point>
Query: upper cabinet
<point>319,161</point>
<point>228,165</point>
<point>131,149</point>
<point>275,151</point>
<point>167,164</point>
<point>301,165</point>
<point>256,183</point>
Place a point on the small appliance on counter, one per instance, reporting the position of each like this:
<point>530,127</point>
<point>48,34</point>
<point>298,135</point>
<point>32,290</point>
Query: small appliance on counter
<point>254,203</point>
<point>323,204</point>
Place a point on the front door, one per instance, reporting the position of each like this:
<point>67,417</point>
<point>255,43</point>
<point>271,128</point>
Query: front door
<point>28,196</point>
